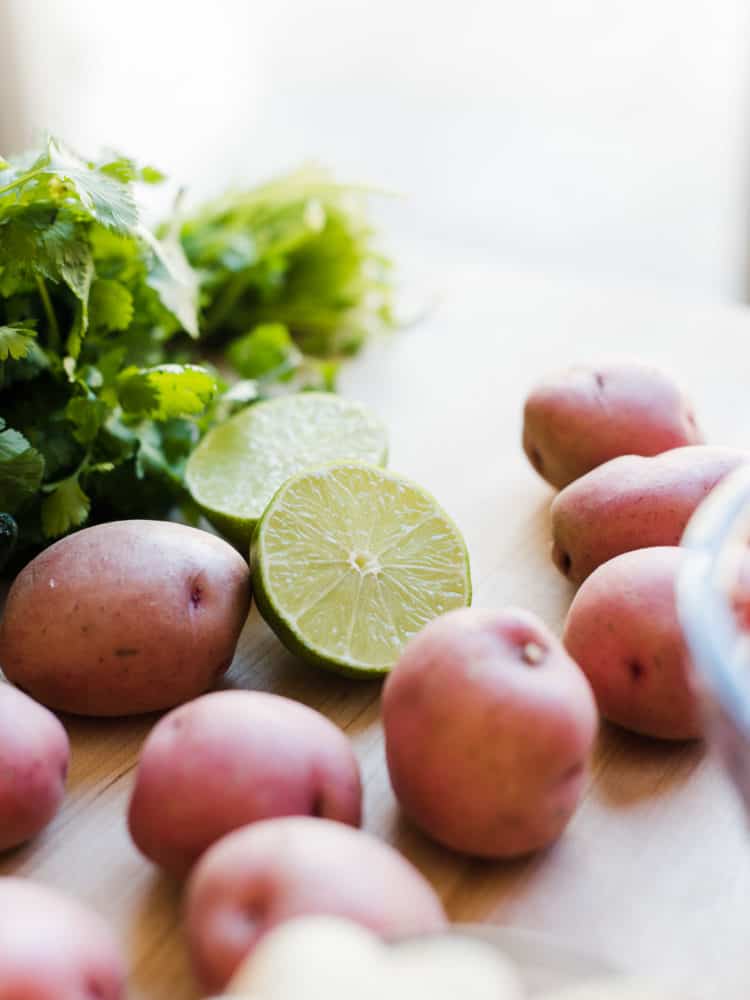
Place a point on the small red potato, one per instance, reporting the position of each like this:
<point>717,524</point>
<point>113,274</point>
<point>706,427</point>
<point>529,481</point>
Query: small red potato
<point>633,503</point>
<point>622,630</point>
<point>578,419</point>
<point>54,948</point>
<point>267,873</point>
<point>34,755</point>
<point>231,758</point>
<point>124,618</point>
<point>488,729</point>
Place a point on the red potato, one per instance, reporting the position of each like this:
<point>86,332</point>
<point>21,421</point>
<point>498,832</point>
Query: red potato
<point>274,757</point>
<point>622,630</point>
<point>34,756</point>
<point>578,419</point>
<point>54,948</point>
<point>633,503</point>
<point>124,618</point>
<point>270,872</point>
<point>488,729</point>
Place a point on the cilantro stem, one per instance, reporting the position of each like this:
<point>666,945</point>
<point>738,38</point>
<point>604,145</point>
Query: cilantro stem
<point>23,179</point>
<point>54,329</point>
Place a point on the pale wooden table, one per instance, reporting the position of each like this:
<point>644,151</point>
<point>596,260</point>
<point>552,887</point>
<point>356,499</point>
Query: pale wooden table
<point>654,871</point>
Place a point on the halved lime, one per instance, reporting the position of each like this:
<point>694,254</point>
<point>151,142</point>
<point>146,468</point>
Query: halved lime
<point>239,465</point>
<point>350,561</point>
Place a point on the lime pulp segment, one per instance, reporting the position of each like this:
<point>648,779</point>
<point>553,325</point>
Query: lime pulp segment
<point>239,465</point>
<point>351,561</point>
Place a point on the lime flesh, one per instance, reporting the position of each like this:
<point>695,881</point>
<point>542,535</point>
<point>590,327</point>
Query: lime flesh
<point>350,561</point>
<point>239,465</point>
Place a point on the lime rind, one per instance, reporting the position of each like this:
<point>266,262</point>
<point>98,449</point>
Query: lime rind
<point>349,561</point>
<point>240,464</point>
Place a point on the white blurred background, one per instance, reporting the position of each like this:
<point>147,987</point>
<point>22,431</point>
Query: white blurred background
<point>605,139</point>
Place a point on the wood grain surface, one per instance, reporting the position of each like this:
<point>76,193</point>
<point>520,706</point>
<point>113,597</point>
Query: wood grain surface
<point>654,871</point>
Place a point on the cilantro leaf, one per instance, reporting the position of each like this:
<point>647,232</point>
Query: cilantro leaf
<point>21,469</point>
<point>150,175</point>
<point>59,176</point>
<point>125,170</point>
<point>66,507</point>
<point>122,168</point>
<point>267,351</point>
<point>166,391</point>
<point>309,262</point>
<point>15,342</point>
<point>33,241</point>
<point>173,279</point>
<point>86,414</point>
<point>117,256</point>
<point>109,201</point>
<point>110,306</point>
<point>164,448</point>
<point>109,364</point>
<point>77,271</point>
<point>77,268</point>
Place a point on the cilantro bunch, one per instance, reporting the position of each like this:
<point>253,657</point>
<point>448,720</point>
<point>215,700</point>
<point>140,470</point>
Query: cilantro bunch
<point>296,251</point>
<point>104,327</point>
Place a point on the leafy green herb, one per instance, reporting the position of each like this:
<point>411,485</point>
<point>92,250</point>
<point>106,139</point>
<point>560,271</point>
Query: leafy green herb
<point>166,391</point>
<point>15,342</point>
<point>89,302</point>
<point>103,389</point>
<point>268,351</point>
<point>110,306</point>
<point>108,200</point>
<point>66,507</point>
<point>173,278</point>
<point>21,469</point>
<point>297,251</point>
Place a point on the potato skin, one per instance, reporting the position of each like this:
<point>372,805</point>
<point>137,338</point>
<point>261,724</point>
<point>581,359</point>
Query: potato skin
<point>622,630</point>
<point>54,948</point>
<point>488,728</point>
<point>34,756</point>
<point>633,503</point>
<point>124,618</point>
<point>275,757</point>
<point>269,872</point>
<point>578,419</point>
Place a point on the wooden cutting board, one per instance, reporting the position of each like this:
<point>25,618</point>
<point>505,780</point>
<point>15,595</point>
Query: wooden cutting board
<point>654,871</point>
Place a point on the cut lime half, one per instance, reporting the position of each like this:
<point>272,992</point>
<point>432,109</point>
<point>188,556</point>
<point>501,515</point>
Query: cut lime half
<point>350,561</point>
<point>239,465</point>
